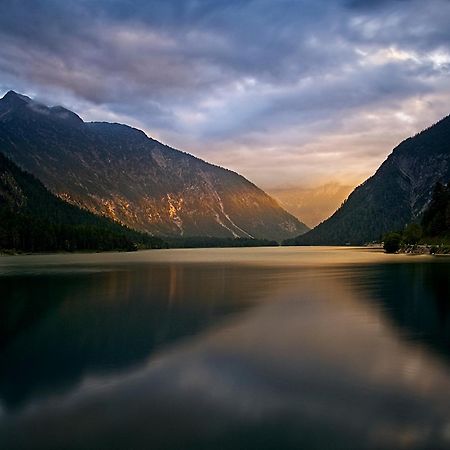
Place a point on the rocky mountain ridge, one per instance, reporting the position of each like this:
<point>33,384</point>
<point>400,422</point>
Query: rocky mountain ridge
<point>117,171</point>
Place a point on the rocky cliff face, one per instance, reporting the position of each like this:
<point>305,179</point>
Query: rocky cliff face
<point>397,194</point>
<point>118,171</point>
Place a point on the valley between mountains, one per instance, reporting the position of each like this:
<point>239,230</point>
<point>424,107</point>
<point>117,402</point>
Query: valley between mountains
<point>117,178</point>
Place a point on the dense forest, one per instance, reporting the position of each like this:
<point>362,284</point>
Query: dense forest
<point>434,228</point>
<point>34,220</point>
<point>436,219</point>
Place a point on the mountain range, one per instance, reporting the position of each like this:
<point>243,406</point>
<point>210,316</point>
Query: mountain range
<point>396,195</point>
<point>117,171</point>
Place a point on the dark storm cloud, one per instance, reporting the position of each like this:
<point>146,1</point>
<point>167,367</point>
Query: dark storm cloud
<point>210,74</point>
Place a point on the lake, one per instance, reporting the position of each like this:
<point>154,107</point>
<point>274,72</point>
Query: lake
<point>262,348</point>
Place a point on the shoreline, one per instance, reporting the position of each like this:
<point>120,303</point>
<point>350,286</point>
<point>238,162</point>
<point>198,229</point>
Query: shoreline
<point>426,249</point>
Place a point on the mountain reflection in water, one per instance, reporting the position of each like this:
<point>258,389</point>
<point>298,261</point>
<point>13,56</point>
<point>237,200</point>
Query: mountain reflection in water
<point>235,348</point>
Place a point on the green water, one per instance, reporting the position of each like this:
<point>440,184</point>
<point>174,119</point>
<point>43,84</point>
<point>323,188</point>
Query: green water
<point>266,348</point>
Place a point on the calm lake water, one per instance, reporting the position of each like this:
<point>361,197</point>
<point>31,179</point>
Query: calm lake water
<point>267,348</point>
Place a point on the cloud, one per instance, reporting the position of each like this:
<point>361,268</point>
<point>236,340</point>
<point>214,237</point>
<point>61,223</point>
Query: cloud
<point>371,4</point>
<point>248,84</point>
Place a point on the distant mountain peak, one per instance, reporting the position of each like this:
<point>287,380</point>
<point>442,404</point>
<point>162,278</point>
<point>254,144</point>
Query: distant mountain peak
<point>13,96</point>
<point>12,101</point>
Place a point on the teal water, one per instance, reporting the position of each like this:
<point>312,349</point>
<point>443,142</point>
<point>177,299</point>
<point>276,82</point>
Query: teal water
<point>267,348</point>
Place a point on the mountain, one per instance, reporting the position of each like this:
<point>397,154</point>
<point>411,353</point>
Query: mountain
<point>313,205</point>
<point>33,219</point>
<point>397,194</point>
<point>118,171</point>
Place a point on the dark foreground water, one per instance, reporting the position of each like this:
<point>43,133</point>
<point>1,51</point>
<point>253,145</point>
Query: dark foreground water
<point>278,348</point>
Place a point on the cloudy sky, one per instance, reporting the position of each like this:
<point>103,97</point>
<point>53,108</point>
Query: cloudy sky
<point>289,93</point>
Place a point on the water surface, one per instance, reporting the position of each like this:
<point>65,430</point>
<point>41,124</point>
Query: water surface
<point>267,348</point>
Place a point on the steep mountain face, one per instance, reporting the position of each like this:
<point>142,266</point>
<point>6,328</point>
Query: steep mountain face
<point>33,219</point>
<point>397,194</point>
<point>118,171</point>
